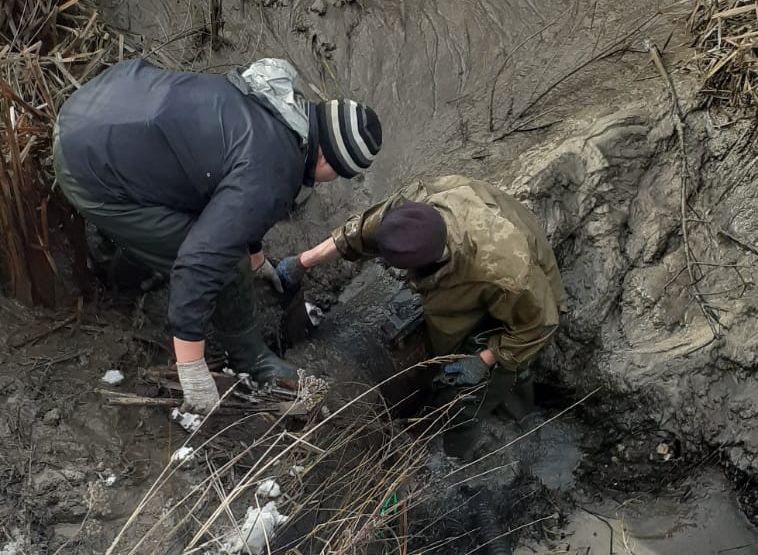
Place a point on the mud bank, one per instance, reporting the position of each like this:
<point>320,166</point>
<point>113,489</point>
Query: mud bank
<point>555,103</point>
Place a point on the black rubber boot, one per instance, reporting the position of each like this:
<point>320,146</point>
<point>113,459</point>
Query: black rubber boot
<point>234,322</point>
<point>508,394</point>
<point>516,399</point>
<point>464,428</point>
<point>248,353</point>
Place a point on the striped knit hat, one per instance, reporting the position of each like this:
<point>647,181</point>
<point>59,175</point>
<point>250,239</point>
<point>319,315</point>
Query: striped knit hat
<point>349,134</point>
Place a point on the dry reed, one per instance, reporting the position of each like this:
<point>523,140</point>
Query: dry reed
<point>726,40</point>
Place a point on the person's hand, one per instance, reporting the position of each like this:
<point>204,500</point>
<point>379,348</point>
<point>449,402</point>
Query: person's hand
<point>267,272</point>
<point>291,272</point>
<point>200,392</point>
<point>469,370</point>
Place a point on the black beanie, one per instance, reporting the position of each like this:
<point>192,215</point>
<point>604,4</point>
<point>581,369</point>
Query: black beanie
<point>411,236</point>
<point>349,135</point>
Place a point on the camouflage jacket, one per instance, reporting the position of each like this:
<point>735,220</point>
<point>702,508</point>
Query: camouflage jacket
<point>501,268</point>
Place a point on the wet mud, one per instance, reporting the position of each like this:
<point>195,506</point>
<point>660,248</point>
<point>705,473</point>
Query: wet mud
<point>557,104</point>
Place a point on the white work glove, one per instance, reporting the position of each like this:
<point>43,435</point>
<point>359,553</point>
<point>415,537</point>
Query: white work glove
<point>200,392</point>
<point>266,271</point>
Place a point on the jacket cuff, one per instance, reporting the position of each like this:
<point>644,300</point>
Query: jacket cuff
<point>187,336</point>
<point>503,358</point>
<point>343,247</point>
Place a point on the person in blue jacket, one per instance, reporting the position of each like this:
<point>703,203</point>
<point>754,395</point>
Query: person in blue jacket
<point>188,171</point>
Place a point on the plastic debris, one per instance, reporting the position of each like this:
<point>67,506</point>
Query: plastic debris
<point>109,478</point>
<point>268,488</point>
<point>257,528</point>
<point>183,454</point>
<point>664,451</point>
<point>297,470</point>
<point>113,377</point>
<point>16,545</point>
<point>389,505</point>
<point>315,314</point>
<point>187,420</point>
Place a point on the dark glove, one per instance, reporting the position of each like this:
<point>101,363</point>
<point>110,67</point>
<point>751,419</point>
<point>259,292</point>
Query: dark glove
<point>470,370</point>
<point>291,272</point>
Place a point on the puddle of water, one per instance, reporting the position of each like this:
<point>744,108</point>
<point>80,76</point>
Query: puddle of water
<point>557,455</point>
<point>550,454</point>
<point>707,522</point>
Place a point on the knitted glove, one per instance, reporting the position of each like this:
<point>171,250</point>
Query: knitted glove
<point>470,370</point>
<point>267,272</point>
<point>291,272</point>
<point>200,393</point>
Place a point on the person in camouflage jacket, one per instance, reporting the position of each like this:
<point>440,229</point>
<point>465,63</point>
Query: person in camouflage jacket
<point>488,279</point>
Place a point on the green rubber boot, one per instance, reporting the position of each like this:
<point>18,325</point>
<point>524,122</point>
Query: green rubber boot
<point>234,322</point>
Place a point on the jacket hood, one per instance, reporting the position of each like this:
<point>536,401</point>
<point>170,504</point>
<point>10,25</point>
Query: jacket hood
<point>276,84</point>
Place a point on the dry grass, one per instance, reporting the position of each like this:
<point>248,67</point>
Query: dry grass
<point>360,477</point>
<point>726,39</point>
<point>353,460</point>
<point>50,49</point>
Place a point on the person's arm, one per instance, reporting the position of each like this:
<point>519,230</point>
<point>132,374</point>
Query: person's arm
<point>355,239</point>
<point>325,251</point>
<point>351,241</point>
<point>239,213</point>
<point>291,270</point>
<point>188,351</point>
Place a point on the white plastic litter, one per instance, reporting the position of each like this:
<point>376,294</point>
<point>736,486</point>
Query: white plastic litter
<point>258,525</point>
<point>183,454</point>
<point>187,420</point>
<point>110,480</point>
<point>664,451</point>
<point>113,377</point>
<point>269,488</point>
<point>315,314</point>
<point>12,548</point>
<point>296,470</point>
<point>16,545</point>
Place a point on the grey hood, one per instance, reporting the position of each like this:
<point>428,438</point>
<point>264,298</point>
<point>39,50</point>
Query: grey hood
<point>276,84</point>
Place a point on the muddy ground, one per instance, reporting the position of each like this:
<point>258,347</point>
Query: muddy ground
<point>556,103</point>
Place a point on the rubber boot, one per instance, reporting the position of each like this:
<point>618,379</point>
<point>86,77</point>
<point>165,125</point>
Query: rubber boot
<point>461,441</point>
<point>234,322</point>
<point>248,353</point>
<point>516,395</point>
<point>464,427</point>
<point>508,394</point>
